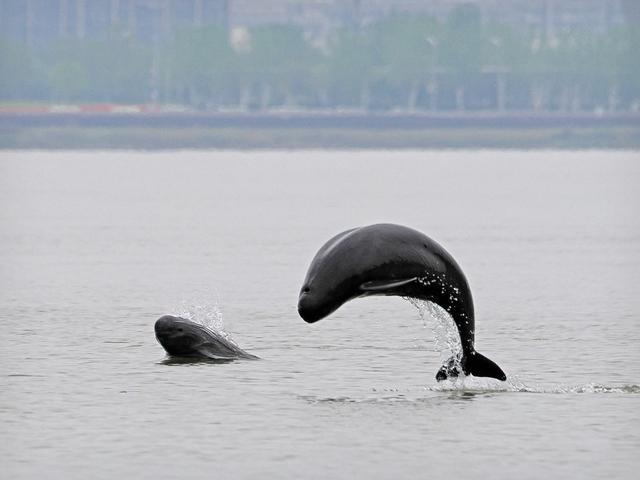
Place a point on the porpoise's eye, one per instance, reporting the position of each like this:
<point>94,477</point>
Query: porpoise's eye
<point>306,290</point>
<point>180,329</point>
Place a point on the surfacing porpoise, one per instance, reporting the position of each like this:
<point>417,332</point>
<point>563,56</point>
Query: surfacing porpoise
<point>181,337</point>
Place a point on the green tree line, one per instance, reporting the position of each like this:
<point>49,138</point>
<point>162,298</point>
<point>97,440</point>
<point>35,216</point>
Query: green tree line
<point>411,63</point>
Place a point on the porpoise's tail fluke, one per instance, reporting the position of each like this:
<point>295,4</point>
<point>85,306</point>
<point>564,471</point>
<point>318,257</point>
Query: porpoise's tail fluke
<point>474,364</point>
<point>480,366</point>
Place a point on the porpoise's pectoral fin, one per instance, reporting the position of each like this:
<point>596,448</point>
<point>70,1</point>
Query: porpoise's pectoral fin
<point>382,285</point>
<point>215,351</point>
<point>220,351</point>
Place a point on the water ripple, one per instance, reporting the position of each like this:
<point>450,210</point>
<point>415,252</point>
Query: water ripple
<point>458,391</point>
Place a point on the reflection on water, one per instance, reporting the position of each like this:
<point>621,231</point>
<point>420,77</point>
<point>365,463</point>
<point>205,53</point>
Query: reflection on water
<point>170,360</point>
<point>95,246</point>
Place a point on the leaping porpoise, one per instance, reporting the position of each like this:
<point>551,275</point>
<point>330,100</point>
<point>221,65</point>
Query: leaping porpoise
<point>387,259</point>
<point>183,338</point>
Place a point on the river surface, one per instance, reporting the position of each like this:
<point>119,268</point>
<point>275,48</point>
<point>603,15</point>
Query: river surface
<point>94,246</point>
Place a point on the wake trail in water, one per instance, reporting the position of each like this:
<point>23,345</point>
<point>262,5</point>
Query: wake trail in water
<point>465,389</point>
<point>513,384</point>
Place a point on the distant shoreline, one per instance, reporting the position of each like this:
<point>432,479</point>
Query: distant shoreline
<point>304,130</point>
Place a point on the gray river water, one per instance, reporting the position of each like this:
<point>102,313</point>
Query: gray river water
<point>94,246</point>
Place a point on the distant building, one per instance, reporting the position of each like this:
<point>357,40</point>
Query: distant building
<point>548,16</point>
<point>40,21</point>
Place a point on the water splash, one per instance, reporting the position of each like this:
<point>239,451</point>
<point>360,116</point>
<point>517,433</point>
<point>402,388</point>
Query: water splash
<point>445,332</point>
<point>447,344</point>
<point>204,312</point>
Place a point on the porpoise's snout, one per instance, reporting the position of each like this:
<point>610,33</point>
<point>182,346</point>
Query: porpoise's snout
<point>305,305</point>
<point>176,335</point>
<point>167,325</point>
<point>310,308</point>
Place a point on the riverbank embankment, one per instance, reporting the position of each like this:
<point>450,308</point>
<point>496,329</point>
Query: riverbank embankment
<point>241,130</point>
